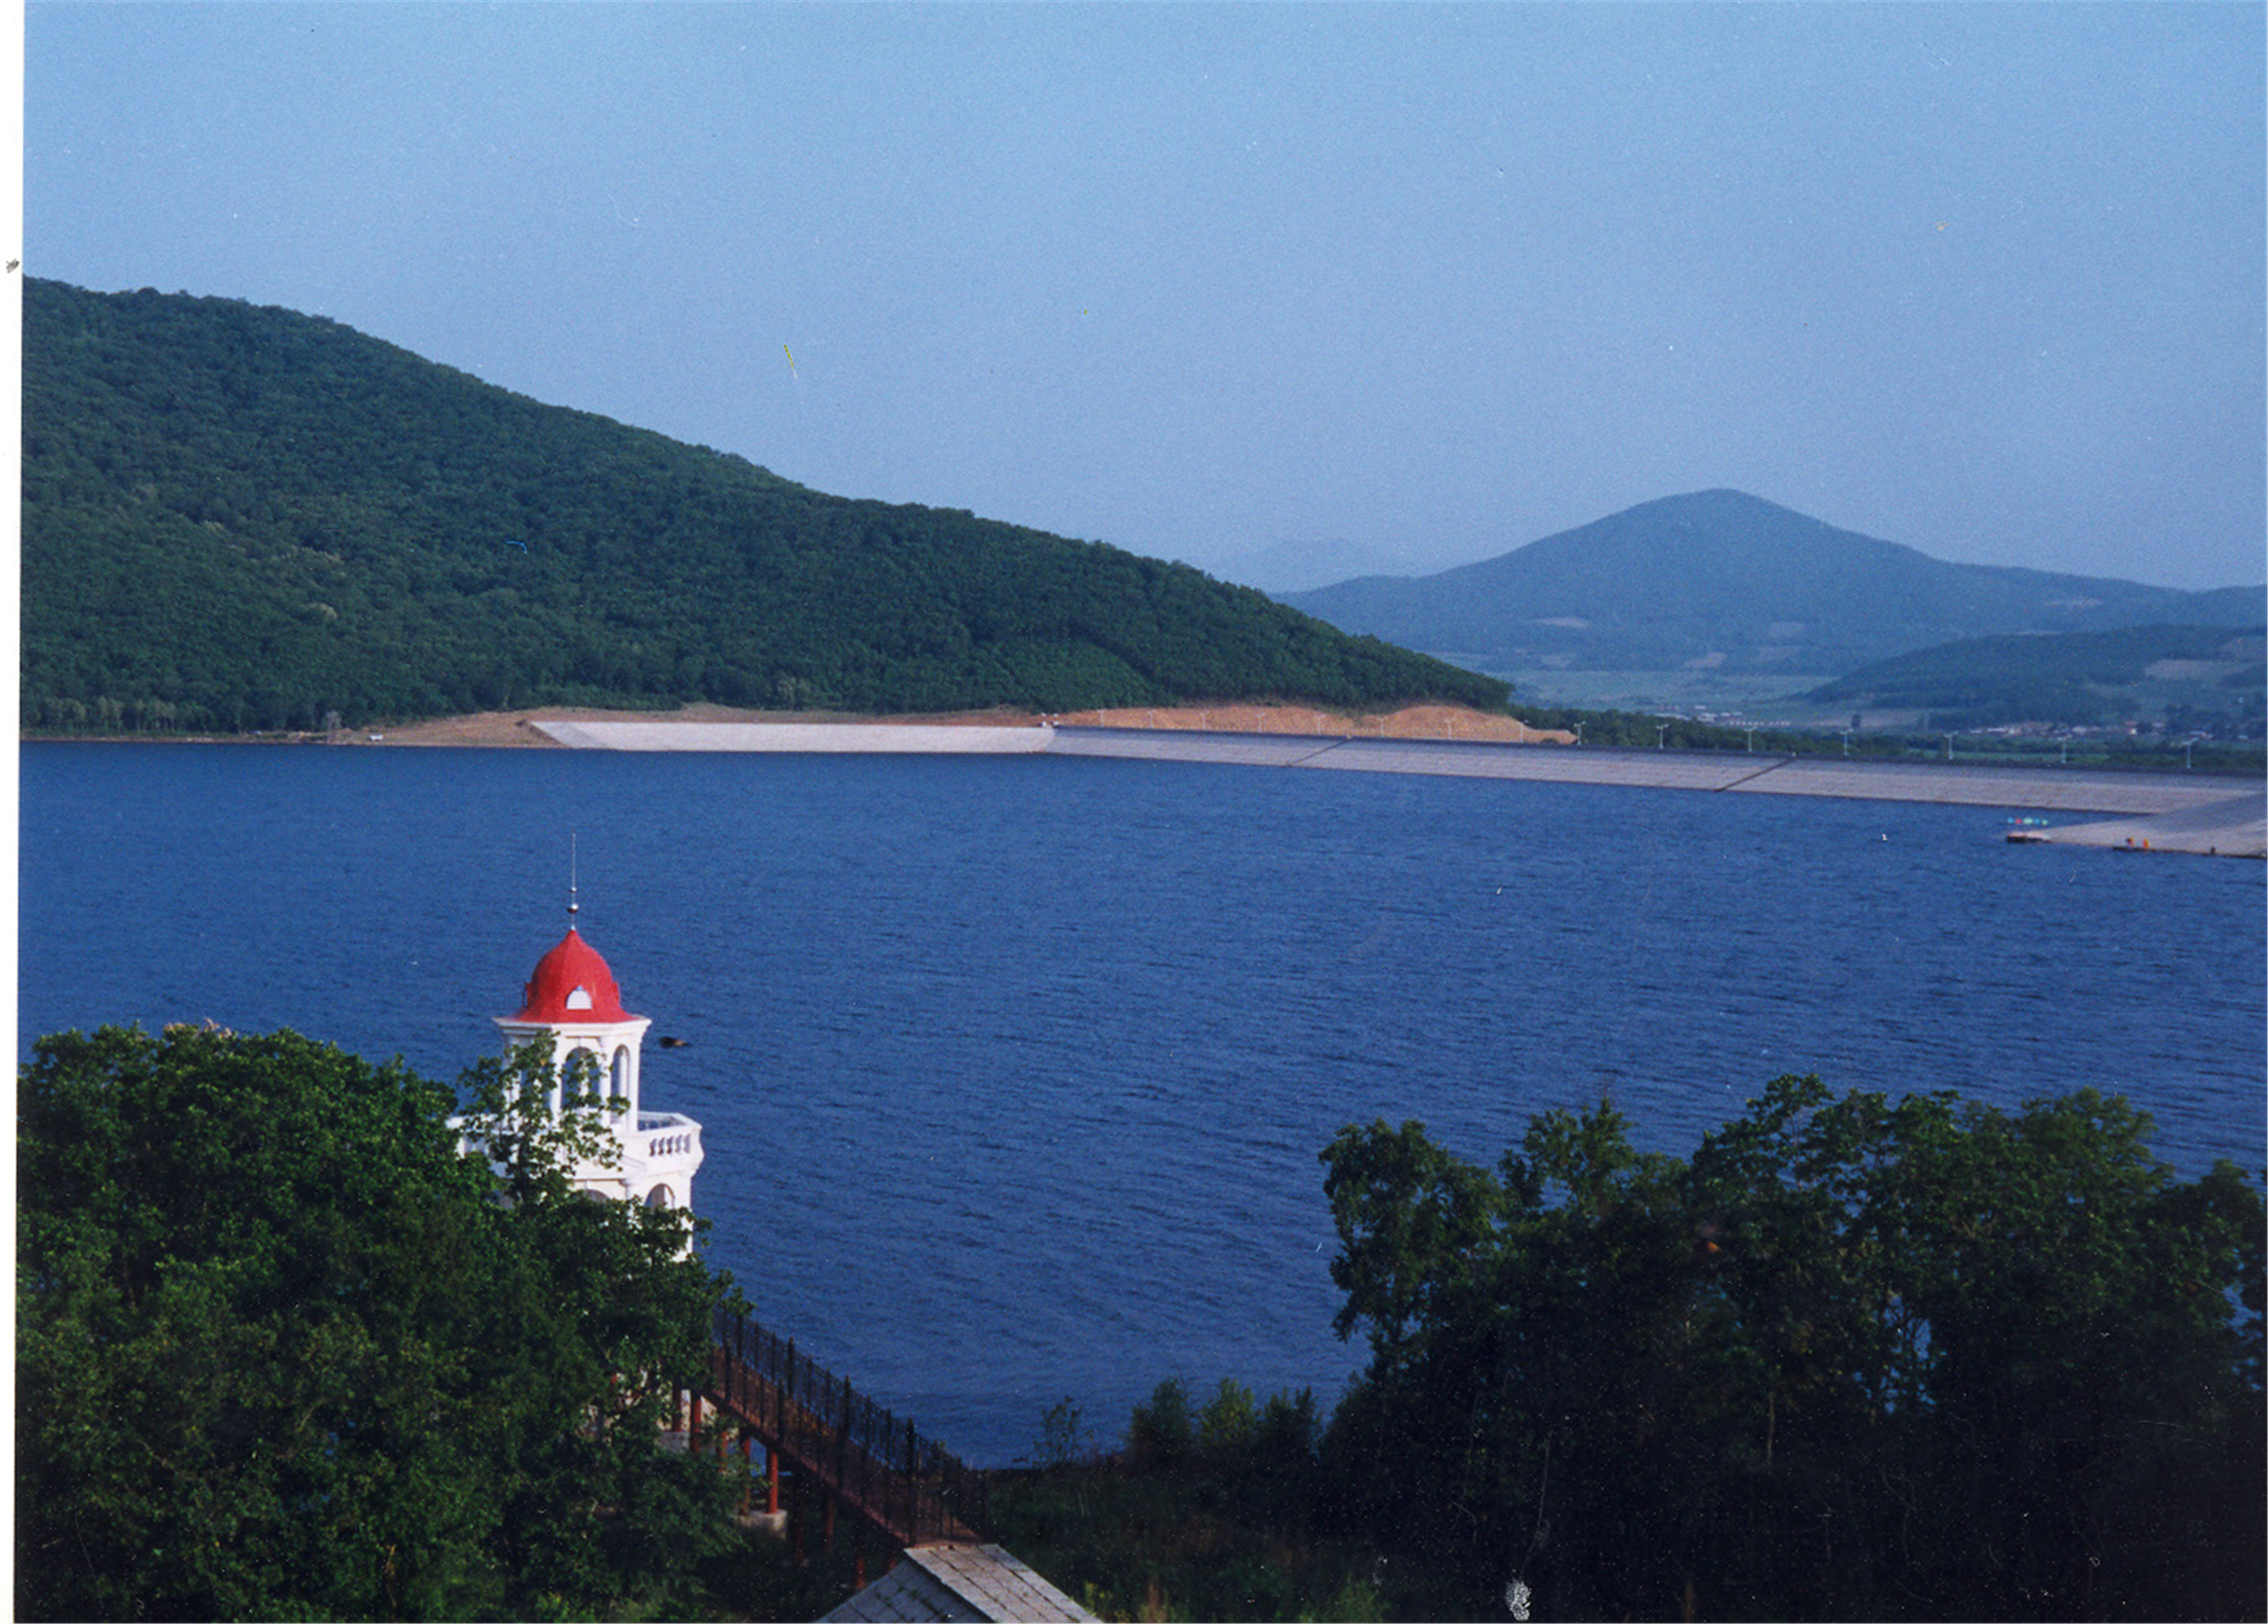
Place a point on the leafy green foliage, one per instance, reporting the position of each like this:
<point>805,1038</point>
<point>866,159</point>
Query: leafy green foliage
<point>282,1351</point>
<point>1206,1513</point>
<point>1159,1433</point>
<point>1853,1359</point>
<point>1064,1439</point>
<point>239,518</point>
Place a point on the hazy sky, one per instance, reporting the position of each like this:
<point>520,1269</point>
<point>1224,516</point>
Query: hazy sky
<point>1432,281</point>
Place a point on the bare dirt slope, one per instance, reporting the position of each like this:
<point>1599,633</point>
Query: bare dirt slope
<point>511,728</point>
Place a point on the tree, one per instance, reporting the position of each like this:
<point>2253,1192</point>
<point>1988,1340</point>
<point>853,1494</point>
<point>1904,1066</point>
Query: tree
<point>264,517</point>
<point>283,1350</point>
<point>1853,1358</point>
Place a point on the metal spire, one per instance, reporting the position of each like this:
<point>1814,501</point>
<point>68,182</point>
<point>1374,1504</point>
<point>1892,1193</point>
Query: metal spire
<point>573,907</point>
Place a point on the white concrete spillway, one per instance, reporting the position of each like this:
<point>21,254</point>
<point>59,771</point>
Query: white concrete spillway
<point>2172,812</point>
<point>799,738</point>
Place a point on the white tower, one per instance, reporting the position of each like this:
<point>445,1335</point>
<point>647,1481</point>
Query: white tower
<point>572,997</point>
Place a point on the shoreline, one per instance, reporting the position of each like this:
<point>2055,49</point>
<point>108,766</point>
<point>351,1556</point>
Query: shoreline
<point>2154,813</point>
<point>2128,810</point>
<point>522,729</point>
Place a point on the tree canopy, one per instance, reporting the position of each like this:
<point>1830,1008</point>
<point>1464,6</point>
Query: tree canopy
<point>1852,1359</point>
<point>239,517</point>
<point>283,1351</point>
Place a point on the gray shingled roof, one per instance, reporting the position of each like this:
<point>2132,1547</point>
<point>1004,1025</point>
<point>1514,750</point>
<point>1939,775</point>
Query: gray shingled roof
<point>970,1583</point>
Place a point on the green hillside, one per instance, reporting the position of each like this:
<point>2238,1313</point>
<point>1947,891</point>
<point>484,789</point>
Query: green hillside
<point>237,518</point>
<point>1722,580</point>
<point>2194,676</point>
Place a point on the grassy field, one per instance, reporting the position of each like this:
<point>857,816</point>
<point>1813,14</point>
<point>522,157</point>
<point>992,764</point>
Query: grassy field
<point>1759,698</point>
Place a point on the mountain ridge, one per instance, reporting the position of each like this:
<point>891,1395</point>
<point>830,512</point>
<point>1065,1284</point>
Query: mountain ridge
<point>1720,578</point>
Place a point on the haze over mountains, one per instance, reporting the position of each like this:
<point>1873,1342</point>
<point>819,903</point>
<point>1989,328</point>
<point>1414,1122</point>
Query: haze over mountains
<point>1307,564</point>
<point>1724,581</point>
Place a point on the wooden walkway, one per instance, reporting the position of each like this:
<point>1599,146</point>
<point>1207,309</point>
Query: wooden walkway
<point>864,1461</point>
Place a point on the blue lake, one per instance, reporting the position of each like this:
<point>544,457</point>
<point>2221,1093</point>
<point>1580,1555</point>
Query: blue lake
<point>1013,1071</point>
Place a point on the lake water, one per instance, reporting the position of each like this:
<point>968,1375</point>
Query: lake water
<point>1013,1071</point>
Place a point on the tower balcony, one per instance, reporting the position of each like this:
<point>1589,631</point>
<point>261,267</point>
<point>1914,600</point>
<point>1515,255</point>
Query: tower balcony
<point>666,1136</point>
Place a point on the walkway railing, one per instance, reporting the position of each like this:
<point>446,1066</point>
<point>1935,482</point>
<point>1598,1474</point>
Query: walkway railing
<point>879,1468</point>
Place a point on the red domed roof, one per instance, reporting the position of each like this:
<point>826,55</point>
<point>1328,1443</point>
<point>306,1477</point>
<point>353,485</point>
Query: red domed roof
<point>572,984</point>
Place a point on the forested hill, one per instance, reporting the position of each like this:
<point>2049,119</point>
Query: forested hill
<point>237,518</point>
<point>2196,676</point>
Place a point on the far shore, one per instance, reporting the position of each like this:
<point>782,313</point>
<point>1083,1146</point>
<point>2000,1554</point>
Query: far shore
<point>2205,813</point>
<point>516,728</point>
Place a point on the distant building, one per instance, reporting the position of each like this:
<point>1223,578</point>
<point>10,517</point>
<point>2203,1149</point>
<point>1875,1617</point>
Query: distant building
<point>572,998</point>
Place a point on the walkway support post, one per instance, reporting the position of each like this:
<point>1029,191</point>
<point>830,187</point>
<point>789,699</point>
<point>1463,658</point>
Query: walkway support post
<point>913,1488</point>
<point>842,1431</point>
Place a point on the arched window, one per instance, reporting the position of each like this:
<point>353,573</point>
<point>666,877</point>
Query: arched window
<point>619,1079</point>
<point>660,1196</point>
<point>579,999</point>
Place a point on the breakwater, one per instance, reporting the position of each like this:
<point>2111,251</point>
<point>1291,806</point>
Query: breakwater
<point>2161,810</point>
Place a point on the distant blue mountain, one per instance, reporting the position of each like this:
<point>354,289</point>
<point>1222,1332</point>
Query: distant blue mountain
<point>1726,580</point>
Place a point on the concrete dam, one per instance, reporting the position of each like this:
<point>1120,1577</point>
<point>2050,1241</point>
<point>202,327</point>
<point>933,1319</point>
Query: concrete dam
<point>2157,811</point>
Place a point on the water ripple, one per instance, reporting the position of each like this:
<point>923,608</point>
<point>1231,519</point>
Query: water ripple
<point>1013,1074</point>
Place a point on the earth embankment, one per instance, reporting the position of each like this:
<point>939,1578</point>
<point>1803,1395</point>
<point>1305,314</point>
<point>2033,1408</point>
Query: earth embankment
<point>514,729</point>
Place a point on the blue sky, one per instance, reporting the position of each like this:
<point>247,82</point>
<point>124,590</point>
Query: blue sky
<point>1200,281</point>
